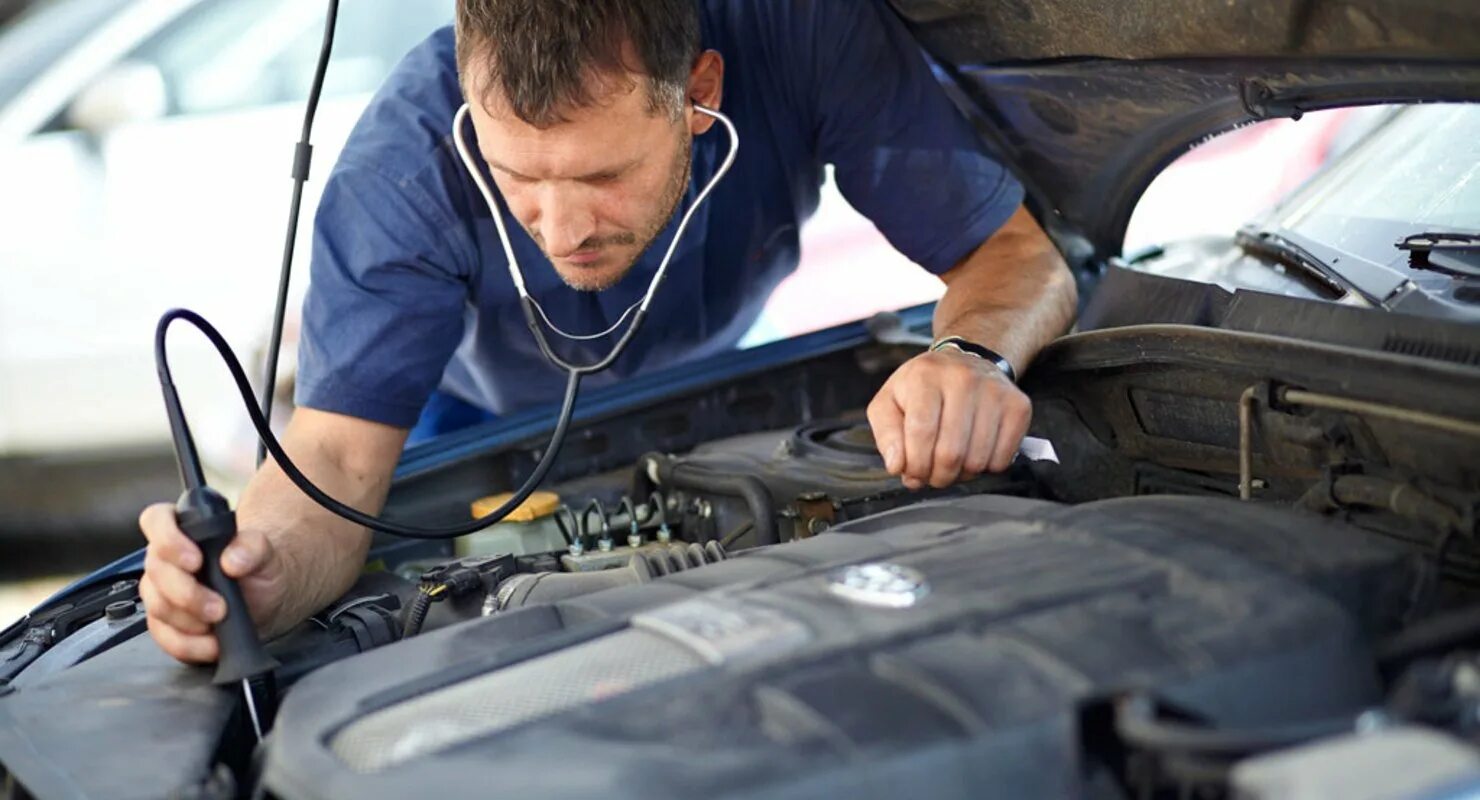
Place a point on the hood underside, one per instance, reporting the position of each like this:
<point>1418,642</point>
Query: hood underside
<point>1088,101</point>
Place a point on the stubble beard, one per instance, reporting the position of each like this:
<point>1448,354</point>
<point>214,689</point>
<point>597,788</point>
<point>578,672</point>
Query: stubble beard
<point>673,194</point>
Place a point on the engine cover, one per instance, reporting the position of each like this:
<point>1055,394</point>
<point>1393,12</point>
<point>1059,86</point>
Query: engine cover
<point>945,650</point>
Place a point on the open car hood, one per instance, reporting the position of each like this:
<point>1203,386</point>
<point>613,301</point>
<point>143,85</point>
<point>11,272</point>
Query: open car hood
<point>1088,101</point>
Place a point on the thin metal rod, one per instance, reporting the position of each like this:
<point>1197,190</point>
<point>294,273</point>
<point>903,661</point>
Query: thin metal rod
<point>252,707</point>
<point>1246,442</point>
<point>1335,403</point>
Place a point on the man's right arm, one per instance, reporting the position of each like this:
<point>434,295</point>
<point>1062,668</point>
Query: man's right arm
<point>291,556</point>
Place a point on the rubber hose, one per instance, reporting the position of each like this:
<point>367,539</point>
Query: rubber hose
<point>684,475</point>
<point>1399,498</point>
<point>1433,636</point>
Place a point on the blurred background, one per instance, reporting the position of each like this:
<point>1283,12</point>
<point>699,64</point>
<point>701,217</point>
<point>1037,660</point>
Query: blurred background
<point>145,147</point>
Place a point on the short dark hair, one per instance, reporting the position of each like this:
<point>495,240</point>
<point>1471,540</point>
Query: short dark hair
<point>544,54</point>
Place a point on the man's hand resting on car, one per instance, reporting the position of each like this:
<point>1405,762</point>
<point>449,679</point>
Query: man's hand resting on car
<point>948,416</point>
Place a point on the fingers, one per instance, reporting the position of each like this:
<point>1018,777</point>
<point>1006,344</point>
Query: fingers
<point>887,421</point>
<point>1017,415</point>
<point>190,648</point>
<point>178,598</point>
<point>984,435</point>
<point>248,552</point>
<point>960,415</point>
<point>904,417</point>
<point>922,409</point>
<point>180,610</point>
<point>166,539</point>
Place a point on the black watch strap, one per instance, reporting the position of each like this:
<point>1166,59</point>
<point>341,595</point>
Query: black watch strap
<point>973,349</point>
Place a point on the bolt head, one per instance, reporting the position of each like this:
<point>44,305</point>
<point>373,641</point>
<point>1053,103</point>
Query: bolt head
<point>123,609</point>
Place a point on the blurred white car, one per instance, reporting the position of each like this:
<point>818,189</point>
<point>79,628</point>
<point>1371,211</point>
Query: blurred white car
<point>145,148</point>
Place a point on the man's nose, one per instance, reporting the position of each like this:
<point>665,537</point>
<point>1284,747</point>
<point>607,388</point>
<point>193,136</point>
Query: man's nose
<point>566,223</point>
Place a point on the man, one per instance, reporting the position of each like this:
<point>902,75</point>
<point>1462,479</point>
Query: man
<point>583,111</point>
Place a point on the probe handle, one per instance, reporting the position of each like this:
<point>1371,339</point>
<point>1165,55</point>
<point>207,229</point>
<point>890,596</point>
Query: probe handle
<point>204,516</point>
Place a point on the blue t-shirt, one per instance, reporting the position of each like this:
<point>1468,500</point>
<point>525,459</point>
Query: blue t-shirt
<point>410,291</point>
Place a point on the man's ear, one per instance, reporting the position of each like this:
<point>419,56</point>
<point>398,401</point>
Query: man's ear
<point>706,88</point>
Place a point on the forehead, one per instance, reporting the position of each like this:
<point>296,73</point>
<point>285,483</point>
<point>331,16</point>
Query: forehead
<point>618,125</point>
<point>606,95</point>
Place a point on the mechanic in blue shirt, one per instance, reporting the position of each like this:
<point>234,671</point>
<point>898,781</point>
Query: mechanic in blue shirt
<point>583,111</point>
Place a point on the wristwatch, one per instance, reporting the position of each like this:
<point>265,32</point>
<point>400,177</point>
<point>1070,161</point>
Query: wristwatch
<point>973,349</point>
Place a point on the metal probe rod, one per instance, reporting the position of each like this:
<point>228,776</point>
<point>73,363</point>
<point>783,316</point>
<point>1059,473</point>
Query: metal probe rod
<point>252,707</point>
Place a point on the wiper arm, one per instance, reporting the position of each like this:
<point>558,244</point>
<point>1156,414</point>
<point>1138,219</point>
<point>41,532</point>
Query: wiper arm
<point>1444,251</point>
<point>1286,252</point>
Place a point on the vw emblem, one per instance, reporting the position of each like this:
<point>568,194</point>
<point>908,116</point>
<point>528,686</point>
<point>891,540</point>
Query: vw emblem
<point>879,584</point>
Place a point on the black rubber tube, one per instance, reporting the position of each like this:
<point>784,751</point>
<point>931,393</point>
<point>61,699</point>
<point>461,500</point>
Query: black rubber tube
<point>302,157</point>
<point>682,475</point>
<point>1434,636</point>
<point>275,448</point>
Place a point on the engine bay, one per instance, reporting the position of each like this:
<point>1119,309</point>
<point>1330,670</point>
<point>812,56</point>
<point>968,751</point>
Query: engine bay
<point>724,592</point>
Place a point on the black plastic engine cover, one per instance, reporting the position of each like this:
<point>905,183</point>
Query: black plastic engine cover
<point>764,677</point>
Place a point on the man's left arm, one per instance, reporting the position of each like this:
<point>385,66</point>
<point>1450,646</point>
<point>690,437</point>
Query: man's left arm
<point>948,415</point>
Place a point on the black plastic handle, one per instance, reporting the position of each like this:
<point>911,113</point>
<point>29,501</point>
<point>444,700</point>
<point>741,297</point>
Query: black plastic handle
<point>206,517</point>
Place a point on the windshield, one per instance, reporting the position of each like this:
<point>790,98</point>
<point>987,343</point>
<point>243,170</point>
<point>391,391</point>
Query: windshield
<point>1316,209</point>
<point>1419,171</point>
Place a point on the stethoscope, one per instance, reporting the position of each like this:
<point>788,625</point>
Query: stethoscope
<point>533,313</point>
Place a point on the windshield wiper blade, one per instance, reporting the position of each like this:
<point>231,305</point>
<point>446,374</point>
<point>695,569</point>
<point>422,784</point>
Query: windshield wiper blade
<point>1286,252</point>
<point>1440,240</point>
<point>1448,252</point>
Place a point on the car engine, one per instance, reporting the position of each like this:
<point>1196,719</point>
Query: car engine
<point>950,644</point>
<point>729,596</point>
